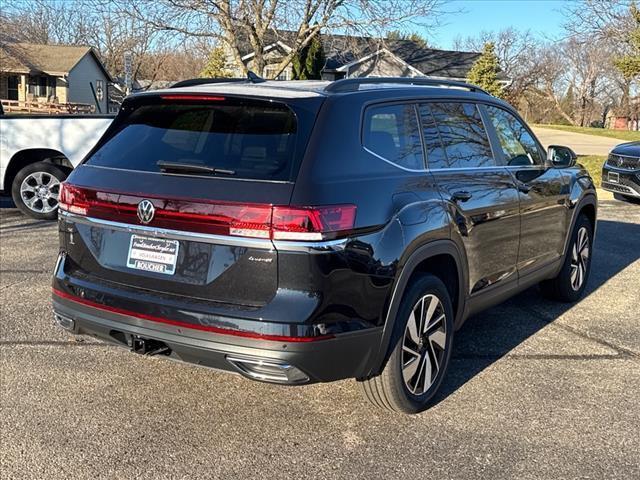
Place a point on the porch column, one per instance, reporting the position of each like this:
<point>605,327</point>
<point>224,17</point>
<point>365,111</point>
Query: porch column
<point>22,88</point>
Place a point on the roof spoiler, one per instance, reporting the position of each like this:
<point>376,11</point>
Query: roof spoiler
<point>251,78</point>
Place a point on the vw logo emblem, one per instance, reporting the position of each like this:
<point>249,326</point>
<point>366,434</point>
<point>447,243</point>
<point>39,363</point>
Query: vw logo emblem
<point>146,211</point>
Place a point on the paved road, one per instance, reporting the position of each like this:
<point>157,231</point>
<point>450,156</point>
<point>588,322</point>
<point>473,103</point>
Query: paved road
<point>582,144</point>
<point>536,390</point>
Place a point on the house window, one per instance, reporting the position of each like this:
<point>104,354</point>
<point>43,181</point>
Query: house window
<point>51,90</point>
<point>270,71</point>
<point>42,86</point>
<point>13,83</point>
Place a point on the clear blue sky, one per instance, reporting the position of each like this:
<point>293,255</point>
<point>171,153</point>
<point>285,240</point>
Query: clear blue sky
<point>542,17</point>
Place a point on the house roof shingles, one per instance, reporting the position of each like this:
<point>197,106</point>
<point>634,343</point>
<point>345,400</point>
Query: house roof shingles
<point>49,59</point>
<point>343,49</point>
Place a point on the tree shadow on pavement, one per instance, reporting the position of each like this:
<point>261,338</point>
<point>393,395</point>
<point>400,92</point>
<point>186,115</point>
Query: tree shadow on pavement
<point>492,334</point>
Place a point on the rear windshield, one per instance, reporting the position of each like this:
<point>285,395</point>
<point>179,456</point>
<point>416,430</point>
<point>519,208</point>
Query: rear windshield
<point>251,139</point>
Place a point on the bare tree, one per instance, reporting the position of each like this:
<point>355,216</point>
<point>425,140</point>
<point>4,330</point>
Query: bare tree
<point>609,23</point>
<point>577,67</point>
<point>516,52</point>
<point>258,23</point>
<point>156,52</point>
<point>600,19</point>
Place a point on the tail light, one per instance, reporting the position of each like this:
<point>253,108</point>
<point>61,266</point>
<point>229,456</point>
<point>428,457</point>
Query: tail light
<point>83,201</point>
<point>241,220</point>
<point>313,223</point>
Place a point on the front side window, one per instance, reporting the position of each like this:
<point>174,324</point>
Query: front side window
<point>518,145</point>
<point>392,133</point>
<point>461,133</point>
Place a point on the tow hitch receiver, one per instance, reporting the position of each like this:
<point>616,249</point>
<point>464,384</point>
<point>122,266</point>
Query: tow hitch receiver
<point>146,346</point>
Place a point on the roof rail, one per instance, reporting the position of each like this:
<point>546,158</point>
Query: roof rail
<point>250,78</point>
<point>353,84</point>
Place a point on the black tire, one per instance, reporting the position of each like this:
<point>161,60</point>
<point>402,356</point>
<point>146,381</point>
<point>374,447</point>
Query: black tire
<point>625,198</point>
<point>390,390</point>
<point>563,287</point>
<point>45,208</point>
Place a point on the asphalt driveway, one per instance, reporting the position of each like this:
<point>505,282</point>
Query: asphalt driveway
<point>581,143</point>
<point>535,390</point>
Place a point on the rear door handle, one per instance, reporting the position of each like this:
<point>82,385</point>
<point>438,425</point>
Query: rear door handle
<point>524,188</point>
<point>461,196</point>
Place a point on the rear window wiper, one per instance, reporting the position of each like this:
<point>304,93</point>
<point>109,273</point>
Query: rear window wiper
<point>180,167</point>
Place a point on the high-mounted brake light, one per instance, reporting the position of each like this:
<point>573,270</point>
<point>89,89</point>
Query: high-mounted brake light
<point>241,220</point>
<point>203,98</point>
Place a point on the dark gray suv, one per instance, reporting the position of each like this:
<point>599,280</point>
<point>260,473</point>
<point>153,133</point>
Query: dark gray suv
<point>298,232</point>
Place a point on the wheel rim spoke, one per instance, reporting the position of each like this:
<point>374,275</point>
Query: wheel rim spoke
<point>413,328</point>
<point>424,344</point>
<point>40,192</point>
<point>579,259</point>
<point>439,338</point>
<point>425,374</point>
<point>410,368</point>
<point>433,304</point>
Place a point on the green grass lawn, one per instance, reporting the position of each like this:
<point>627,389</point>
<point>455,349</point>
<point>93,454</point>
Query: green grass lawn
<point>601,132</point>
<point>594,164</point>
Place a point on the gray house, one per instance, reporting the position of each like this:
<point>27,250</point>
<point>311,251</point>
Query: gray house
<point>53,74</point>
<point>348,56</point>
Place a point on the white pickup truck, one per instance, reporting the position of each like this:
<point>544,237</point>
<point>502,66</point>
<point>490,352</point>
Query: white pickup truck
<point>37,152</point>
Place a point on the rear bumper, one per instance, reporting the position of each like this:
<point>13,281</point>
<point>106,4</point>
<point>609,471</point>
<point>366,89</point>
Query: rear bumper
<point>321,359</point>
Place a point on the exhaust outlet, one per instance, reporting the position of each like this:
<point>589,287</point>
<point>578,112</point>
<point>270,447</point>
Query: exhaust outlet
<point>65,322</point>
<point>268,370</point>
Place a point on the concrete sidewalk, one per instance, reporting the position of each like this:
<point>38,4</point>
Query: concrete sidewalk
<point>581,143</point>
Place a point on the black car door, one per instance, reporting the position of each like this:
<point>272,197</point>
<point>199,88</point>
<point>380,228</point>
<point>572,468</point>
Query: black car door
<point>477,190</point>
<point>543,190</point>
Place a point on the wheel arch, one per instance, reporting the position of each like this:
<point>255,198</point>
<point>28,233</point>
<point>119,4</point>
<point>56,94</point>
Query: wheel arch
<point>441,258</point>
<point>589,206</point>
<point>29,156</point>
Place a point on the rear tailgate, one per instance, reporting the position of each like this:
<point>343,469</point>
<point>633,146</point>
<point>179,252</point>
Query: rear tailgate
<point>131,222</point>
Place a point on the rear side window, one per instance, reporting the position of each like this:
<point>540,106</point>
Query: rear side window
<point>461,134</point>
<point>392,132</point>
<point>248,139</point>
<point>517,144</point>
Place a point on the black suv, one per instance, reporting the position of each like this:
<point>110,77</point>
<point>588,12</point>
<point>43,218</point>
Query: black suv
<point>298,232</point>
<point>621,172</point>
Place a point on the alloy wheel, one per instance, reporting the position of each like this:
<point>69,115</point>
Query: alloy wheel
<point>580,259</point>
<point>39,192</point>
<point>424,343</point>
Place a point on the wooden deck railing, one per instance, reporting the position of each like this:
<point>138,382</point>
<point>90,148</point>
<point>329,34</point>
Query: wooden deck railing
<point>16,106</point>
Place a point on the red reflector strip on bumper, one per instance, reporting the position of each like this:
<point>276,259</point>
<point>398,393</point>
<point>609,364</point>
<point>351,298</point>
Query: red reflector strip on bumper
<point>178,323</point>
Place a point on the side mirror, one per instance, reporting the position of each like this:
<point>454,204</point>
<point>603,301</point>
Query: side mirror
<point>561,157</point>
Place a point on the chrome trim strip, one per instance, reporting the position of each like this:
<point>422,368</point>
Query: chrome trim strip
<point>311,247</point>
<point>632,192</point>
<point>259,243</point>
<point>394,164</point>
<point>264,244</point>
<point>617,169</point>
<point>625,156</point>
